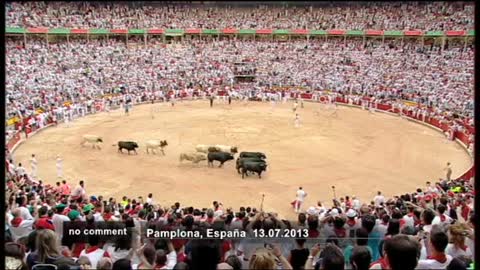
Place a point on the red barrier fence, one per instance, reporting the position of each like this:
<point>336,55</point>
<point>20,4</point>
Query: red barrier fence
<point>14,140</point>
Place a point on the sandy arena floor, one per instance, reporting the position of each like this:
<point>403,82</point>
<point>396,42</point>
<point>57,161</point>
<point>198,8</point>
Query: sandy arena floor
<point>357,152</point>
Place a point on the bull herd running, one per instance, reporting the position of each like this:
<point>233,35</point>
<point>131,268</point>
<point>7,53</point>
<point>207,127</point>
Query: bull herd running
<point>246,162</point>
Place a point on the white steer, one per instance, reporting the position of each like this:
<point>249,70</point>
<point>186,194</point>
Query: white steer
<point>94,140</point>
<point>193,157</point>
<point>226,148</point>
<point>203,148</point>
<point>155,144</point>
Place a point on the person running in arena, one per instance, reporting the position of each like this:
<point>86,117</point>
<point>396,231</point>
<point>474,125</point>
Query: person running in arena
<point>299,198</point>
<point>334,107</point>
<point>59,165</point>
<point>295,106</point>
<point>297,120</point>
<point>33,165</point>
<point>448,170</point>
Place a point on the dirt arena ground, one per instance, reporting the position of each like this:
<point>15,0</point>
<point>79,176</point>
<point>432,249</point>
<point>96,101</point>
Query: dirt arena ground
<point>358,152</point>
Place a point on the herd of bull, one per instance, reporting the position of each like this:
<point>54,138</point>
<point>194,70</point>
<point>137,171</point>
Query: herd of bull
<point>246,162</point>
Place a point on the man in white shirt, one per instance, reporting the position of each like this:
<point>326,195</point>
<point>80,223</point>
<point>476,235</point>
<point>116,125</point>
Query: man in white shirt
<point>58,219</point>
<point>356,203</point>
<point>431,188</point>
<point>442,219</point>
<point>24,211</point>
<point>79,191</point>
<point>11,167</point>
<point>300,197</point>
<point>379,199</point>
<point>20,170</point>
<point>150,199</point>
<point>33,165</point>
<point>19,226</point>
<point>437,244</point>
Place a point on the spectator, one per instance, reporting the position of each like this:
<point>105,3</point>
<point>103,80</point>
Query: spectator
<point>379,199</point>
<point>438,242</point>
<point>122,264</point>
<point>19,226</point>
<point>368,223</point>
<point>14,256</point>
<point>361,236</point>
<point>299,255</point>
<point>93,252</point>
<point>332,259</point>
<point>457,248</point>
<point>361,258</point>
<point>105,264</point>
<point>401,253</point>
<point>233,261</point>
<point>79,191</point>
<point>47,249</point>
<point>84,262</point>
<point>265,259</point>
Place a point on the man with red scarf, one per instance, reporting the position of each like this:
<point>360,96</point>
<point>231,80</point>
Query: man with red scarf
<point>20,227</point>
<point>400,254</point>
<point>437,244</point>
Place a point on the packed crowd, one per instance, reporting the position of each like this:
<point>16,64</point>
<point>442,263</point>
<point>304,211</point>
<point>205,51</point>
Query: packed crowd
<point>41,75</point>
<point>381,16</point>
<point>431,228</point>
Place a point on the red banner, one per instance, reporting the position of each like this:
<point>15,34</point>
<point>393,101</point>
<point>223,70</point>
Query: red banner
<point>264,31</point>
<point>119,31</point>
<point>413,33</point>
<point>456,33</point>
<point>229,31</point>
<point>301,31</point>
<point>374,33</point>
<point>336,32</point>
<point>41,30</point>
<point>79,31</point>
<point>156,31</point>
<point>16,138</point>
<point>193,31</point>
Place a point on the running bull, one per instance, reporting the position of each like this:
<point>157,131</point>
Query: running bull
<point>241,161</point>
<point>253,155</point>
<point>253,166</point>
<point>129,146</point>
<point>219,156</point>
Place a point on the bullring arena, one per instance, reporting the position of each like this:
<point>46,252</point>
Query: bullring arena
<point>358,152</point>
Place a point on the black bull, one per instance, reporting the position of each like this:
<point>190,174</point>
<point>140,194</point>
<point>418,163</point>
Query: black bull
<point>129,146</point>
<point>252,155</point>
<point>253,166</point>
<point>218,156</point>
<point>241,161</point>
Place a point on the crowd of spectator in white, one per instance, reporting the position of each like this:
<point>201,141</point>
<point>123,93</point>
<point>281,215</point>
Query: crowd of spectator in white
<point>374,15</point>
<point>431,228</point>
<point>41,75</point>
